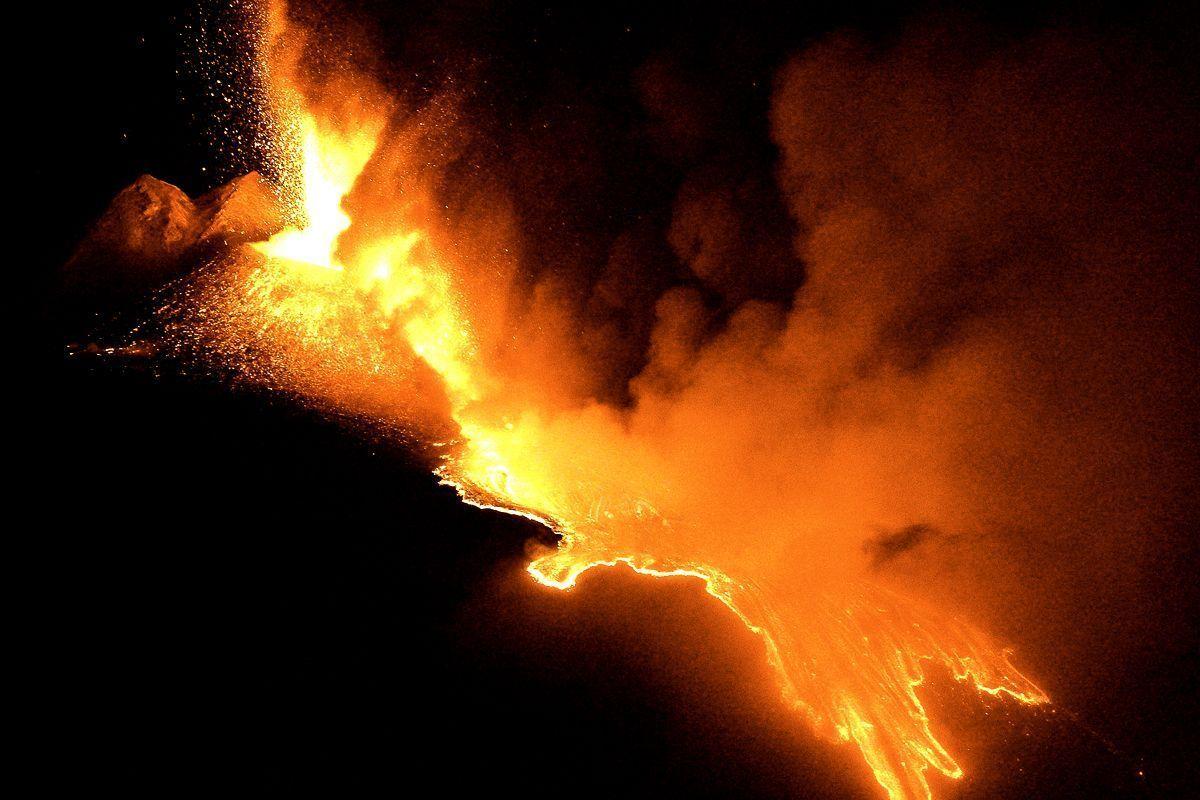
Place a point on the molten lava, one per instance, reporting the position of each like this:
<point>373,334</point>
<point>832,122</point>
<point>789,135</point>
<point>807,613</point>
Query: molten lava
<point>368,288</point>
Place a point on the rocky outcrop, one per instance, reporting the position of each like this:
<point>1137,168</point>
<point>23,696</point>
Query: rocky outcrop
<point>244,210</point>
<point>152,230</point>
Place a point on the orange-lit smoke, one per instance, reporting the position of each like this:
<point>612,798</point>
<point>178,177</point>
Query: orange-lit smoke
<point>760,450</point>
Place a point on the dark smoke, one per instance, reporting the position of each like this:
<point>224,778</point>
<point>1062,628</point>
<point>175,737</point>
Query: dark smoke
<point>889,545</point>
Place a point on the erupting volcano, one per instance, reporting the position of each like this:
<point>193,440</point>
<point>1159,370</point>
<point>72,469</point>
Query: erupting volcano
<point>368,286</point>
<point>791,452</point>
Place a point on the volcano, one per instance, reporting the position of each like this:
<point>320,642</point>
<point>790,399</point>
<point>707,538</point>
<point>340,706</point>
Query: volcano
<point>810,423</point>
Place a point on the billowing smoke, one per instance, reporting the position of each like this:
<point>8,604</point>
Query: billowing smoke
<point>963,366</point>
<point>982,335</point>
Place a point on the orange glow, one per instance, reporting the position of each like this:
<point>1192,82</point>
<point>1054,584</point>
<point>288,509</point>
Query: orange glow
<point>329,165</point>
<point>345,312</point>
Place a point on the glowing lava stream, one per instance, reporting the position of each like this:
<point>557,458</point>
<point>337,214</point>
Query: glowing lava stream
<point>847,654</point>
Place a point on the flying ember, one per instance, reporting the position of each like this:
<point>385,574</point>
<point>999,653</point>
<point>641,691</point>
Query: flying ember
<point>378,299</point>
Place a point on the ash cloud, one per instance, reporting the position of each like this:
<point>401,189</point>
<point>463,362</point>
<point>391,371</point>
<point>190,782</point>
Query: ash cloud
<point>973,319</point>
<point>940,278</point>
<point>1001,234</point>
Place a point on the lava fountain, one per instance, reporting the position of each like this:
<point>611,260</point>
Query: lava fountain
<point>377,301</point>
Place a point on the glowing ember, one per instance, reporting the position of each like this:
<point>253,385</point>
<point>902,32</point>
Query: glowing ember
<point>345,305</point>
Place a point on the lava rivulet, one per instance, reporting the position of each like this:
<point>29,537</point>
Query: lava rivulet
<point>373,287</point>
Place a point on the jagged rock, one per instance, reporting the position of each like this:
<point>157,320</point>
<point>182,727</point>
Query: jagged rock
<point>151,230</point>
<point>149,223</point>
<point>244,210</point>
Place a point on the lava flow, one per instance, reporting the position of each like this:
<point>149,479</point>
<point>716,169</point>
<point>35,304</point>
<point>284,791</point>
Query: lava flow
<point>381,300</point>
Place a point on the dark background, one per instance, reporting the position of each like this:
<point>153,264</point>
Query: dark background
<point>240,593</point>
